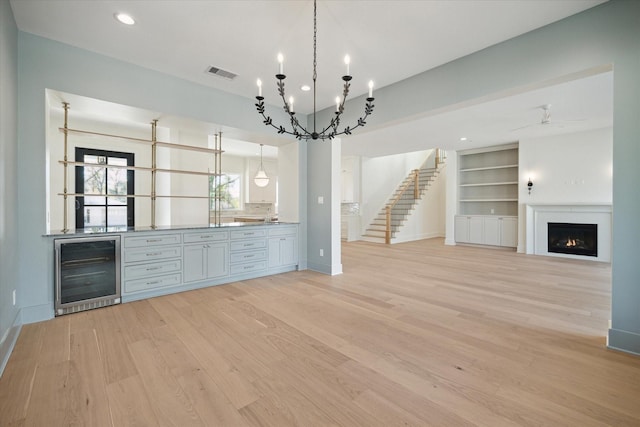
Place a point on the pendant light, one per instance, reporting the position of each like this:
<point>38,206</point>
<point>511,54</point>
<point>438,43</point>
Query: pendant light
<point>261,179</point>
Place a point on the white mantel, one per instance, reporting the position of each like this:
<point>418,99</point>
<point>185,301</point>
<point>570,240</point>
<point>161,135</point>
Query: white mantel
<point>538,215</point>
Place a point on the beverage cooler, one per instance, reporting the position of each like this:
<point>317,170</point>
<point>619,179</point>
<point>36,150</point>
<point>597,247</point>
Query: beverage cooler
<point>87,273</point>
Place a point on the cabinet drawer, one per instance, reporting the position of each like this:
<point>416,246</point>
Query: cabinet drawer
<point>151,254</point>
<point>210,236</point>
<point>151,240</point>
<point>245,268</point>
<point>248,244</point>
<point>247,234</point>
<point>248,256</point>
<point>282,231</point>
<point>153,269</point>
<point>152,283</point>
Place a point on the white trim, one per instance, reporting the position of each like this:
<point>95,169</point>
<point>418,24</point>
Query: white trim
<point>9,340</point>
<point>538,215</point>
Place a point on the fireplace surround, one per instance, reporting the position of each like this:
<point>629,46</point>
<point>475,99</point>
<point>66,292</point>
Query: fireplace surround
<point>538,217</point>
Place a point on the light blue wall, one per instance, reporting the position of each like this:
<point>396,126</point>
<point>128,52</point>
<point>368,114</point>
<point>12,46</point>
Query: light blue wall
<point>607,34</point>
<point>9,314</point>
<point>323,173</point>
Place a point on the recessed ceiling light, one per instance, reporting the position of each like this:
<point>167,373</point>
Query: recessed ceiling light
<point>305,88</point>
<point>464,138</point>
<point>124,18</point>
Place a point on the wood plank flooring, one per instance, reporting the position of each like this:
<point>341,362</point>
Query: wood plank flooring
<point>414,334</point>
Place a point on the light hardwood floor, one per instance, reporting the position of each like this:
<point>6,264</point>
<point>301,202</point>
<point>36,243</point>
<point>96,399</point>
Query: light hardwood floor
<point>417,334</point>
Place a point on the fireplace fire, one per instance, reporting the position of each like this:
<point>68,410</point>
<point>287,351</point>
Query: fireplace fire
<point>573,239</point>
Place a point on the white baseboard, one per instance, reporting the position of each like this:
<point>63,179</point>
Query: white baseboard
<point>9,341</point>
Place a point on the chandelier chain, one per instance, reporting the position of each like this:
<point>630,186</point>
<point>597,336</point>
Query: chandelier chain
<point>315,36</point>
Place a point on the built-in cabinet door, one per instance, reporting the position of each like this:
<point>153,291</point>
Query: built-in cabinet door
<point>195,267</point>
<point>487,230</point>
<point>476,230</point>
<point>217,260</point>
<point>492,231</point>
<point>509,232</point>
<point>283,251</point>
<point>205,261</point>
<point>462,229</point>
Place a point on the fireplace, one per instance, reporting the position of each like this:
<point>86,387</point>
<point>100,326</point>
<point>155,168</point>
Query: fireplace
<point>572,238</point>
<point>538,217</point>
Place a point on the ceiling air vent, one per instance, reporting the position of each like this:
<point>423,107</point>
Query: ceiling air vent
<point>221,73</point>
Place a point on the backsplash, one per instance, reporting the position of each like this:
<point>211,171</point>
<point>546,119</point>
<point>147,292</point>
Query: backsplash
<point>350,209</point>
<point>258,208</point>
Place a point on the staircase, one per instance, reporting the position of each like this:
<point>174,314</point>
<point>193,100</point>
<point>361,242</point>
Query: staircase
<point>405,200</point>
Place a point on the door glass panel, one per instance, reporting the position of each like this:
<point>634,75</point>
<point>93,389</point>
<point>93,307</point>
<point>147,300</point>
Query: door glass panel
<point>94,180</point>
<point>95,216</point>
<point>117,216</point>
<point>117,182</point>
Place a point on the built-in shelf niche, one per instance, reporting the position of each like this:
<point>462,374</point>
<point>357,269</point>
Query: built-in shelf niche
<point>488,181</point>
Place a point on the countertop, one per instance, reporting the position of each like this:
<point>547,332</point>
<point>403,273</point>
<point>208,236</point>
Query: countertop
<point>112,230</point>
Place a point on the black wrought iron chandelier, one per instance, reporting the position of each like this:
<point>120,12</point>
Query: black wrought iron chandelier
<point>332,129</point>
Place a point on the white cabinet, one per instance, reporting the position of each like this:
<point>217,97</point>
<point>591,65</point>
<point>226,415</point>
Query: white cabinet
<point>151,261</point>
<point>487,230</point>
<point>283,247</point>
<point>350,227</point>
<point>248,251</point>
<point>173,261</point>
<point>206,261</point>
<point>509,232</point>
<point>461,231</point>
<point>491,231</point>
<point>476,230</point>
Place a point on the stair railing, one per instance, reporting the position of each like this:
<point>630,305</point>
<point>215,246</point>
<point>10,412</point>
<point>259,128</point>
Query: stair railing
<point>439,159</point>
<point>416,181</point>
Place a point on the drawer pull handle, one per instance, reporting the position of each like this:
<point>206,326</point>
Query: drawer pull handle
<point>154,253</point>
<point>153,268</point>
<point>206,237</point>
<point>153,240</point>
<point>154,282</point>
<point>248,267</point>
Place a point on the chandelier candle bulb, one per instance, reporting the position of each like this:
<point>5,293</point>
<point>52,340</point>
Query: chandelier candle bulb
<point>370,88</point>
<point>337,104</point>
<point>347,61</point>
<point>291,104</point>
<point>259,87</point>
<point>281,63</point>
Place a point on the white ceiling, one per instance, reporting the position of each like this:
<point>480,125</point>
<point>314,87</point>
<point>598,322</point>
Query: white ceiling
<point>383,38</point>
